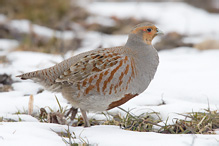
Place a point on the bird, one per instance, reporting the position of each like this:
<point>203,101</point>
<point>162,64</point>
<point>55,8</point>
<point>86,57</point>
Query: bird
<point>104,78</point>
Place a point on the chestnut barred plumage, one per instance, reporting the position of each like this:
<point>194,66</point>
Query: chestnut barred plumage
<point>104,78</point>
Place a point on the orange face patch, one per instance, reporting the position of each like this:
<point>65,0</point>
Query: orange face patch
<point>147,32</point>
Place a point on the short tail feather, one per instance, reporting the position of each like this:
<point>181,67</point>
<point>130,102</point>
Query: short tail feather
<point>47,77</point>
<point>42,78</point>
<point>29,75</point>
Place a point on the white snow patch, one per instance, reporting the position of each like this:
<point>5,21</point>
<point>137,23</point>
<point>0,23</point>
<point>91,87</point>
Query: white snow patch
<point>100,20</point>
<point>6,44</point>
<point>28,133</point>
<point>2,18</point>
<point>26,26</point>
<point>178,17</point>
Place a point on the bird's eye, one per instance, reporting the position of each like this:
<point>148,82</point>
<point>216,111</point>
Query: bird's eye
<point>149,29</point>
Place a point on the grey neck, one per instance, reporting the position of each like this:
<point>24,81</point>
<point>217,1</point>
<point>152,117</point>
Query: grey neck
<point>134,39</point>
<point>146,61</point>
<point>137,45</point>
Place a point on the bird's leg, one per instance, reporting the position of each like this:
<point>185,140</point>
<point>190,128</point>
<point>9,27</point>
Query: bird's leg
<point>86,121</point>
<point>73,111</point>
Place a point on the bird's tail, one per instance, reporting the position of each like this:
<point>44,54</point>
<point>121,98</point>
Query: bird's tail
<point>43,77</point>
<point>29,75</point>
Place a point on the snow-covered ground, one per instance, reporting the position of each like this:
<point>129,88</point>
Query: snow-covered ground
<point>187,80</point>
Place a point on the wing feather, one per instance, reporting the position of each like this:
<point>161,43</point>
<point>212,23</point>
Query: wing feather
<point>88,65</point>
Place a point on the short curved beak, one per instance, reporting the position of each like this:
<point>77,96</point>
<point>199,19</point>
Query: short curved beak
<point>159,32</point>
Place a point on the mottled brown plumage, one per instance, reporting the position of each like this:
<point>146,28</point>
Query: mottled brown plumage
<point>104,78</point>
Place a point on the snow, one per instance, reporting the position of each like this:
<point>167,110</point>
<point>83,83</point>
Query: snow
<point>2,18</point>
<point>25,26</point>
<point>28,133</point>
<point>43,134</point>
<point>187,80</point>
<point>7,44</point>
<point>178,17</point>
<point>100,20</point>
<point>120,137</point>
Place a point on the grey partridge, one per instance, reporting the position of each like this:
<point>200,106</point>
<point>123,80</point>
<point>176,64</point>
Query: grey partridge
<point>104,78</point>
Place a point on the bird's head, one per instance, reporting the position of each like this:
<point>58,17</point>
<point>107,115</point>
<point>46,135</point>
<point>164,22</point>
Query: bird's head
<point>146,32</point>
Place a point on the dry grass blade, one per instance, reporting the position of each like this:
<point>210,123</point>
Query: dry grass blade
<point>142,123</point>
<point>198,123</point>
<point>30,105</point>
<point>194,122</point>
<point>60,107</point>
<point>70,137</point>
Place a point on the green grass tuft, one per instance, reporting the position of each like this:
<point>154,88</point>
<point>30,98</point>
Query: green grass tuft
<point>194,123</point>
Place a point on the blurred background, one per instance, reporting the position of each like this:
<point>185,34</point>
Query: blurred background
<point>81,16</point>
<point>36,34</point>
<point>63,26</point>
